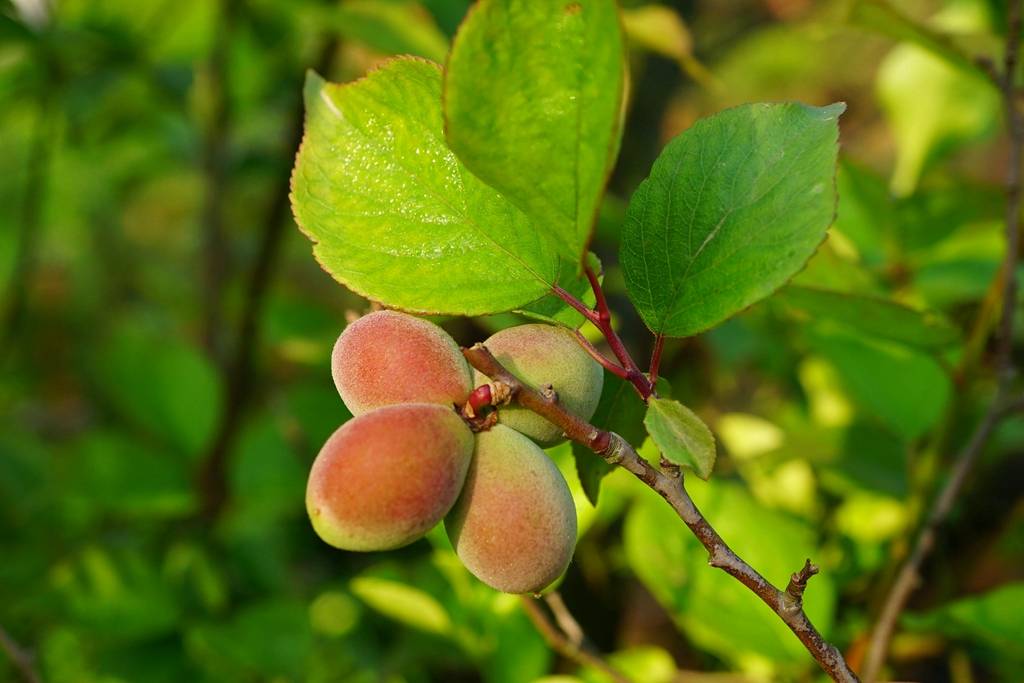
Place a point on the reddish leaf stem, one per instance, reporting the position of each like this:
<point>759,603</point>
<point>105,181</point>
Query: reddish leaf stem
<point>599,357</point>
<point>659,345</point>
<point>603,312</point>
<point>580,307</point>
<point>601,318</point>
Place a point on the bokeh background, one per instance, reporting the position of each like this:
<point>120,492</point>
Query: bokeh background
<point>165,339</point>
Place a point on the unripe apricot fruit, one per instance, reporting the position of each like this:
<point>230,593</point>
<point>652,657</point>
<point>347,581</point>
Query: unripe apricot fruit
<point>514,526</point>
<point>541,355</point>
<point>386,477</point>
<point>388,358</point>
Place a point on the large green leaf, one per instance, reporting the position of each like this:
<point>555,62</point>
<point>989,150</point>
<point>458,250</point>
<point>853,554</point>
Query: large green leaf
<point>532,100</point>
<point>395,216</point>
<point>903,388</point>
<point>680,435</point>
<point>873,316</point>
<point>732,209</point>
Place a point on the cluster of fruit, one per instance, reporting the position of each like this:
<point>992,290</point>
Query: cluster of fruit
<point>408,459</point>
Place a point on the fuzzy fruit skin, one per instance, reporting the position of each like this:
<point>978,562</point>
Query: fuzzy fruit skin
<point>514,526</point>
<point>541,355</point>
<point>388,357</point>
<point>385,478</point>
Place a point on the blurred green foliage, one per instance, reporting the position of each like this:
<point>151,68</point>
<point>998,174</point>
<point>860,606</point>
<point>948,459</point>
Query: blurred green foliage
<point>144,159</point>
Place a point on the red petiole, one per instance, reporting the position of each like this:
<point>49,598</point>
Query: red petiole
<point>600,316</point>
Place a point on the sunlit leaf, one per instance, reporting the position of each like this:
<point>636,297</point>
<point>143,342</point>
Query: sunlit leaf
<point>395,216</point>
<point>404,603</point>
<point>532,102</point>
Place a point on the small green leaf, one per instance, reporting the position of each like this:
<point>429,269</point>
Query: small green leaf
<point>680,435</point>
<point>659,29</point>
<point>393,214</point>
<point>732,209</point>
<point>532,103</point>
<point>873,316</point>
<point>406,604</point>
<point>393,27</point>
<point>620,410</point>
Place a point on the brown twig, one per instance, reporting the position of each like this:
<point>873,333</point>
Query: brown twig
<point>669,485</point>
<point>21,658</point>
<point>238,376</point>
<point>909,574</point>
<point>563,645</point>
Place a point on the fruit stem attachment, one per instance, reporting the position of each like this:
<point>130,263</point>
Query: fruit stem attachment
<point>669,485</point>
<point>481,397</point>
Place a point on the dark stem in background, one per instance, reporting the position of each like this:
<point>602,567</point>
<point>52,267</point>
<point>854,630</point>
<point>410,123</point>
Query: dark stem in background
<point>20,658</point>
<point>215,159</point>
<point>788,604</point>
<point>238,376</point>
<point>909,575</point>
<point>30,233</point>
<point>570,646</point>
